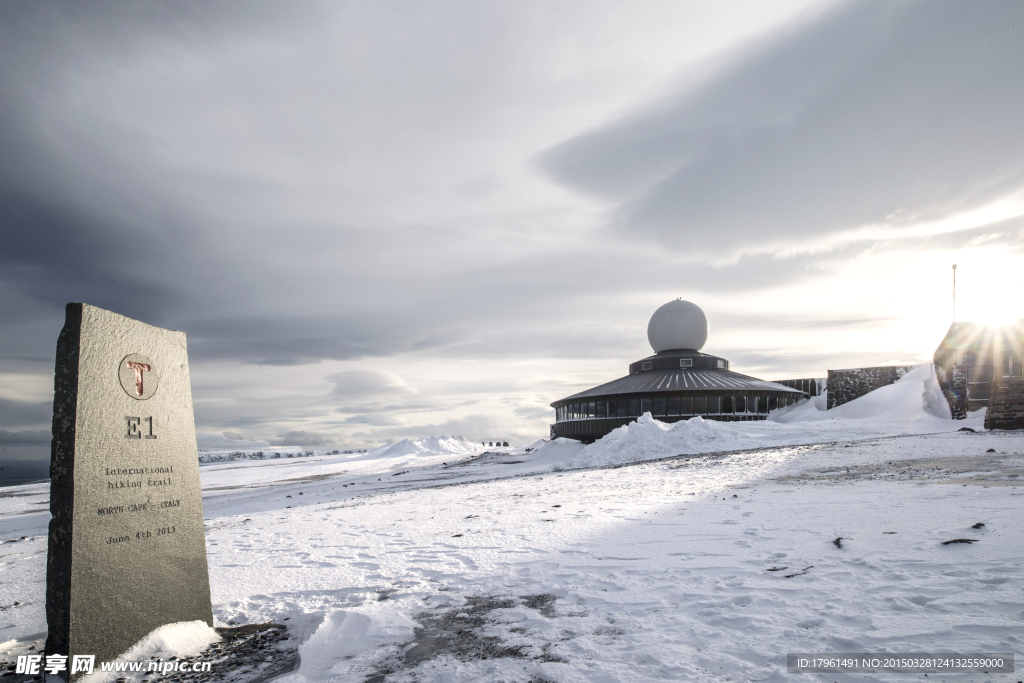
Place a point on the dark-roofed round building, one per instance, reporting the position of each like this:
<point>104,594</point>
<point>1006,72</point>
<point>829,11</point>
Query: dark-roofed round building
<point>676,383</point>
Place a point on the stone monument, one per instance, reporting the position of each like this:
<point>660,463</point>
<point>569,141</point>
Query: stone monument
<point>127,546</point>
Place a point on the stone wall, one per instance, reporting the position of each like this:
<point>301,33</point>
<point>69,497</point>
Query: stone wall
<point>811,386</point>
<point>970,356</point>
<point>846,385</point>
<point>953,382</point>
<point>1006,406</point>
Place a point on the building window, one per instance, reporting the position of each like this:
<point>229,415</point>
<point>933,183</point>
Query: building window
<point>714,404</point>
<point>622,409</point>
<point>686,362</point>
<point>686,406</point>
<point>700,405</point>
<point>727,404</point>
<point>673,406</point>
<point>600,409</point>
<point>590,410</point>
<point>645,405</point>
<point>575,411</point>
<point>762,405</point>
<point>773,404</point>
<point>659,407</point>
<point>646,365</point>
<point>720,364</point>
<point>741,404</point>
<point>634,407</point>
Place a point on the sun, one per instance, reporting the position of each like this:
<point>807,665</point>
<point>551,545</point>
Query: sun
<point>989,289</point>
<point>995,314</point>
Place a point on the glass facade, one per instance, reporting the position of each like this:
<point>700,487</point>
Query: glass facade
<point>672,406</point>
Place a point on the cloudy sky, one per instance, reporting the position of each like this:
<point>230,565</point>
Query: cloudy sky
<point>390,219</point>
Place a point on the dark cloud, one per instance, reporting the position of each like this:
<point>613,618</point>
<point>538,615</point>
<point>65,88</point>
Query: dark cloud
<point>375,420</point>
<point>873,113</point>
<point>367,383</point>
<point>304,439</point>
<point>533,412</point>
<point>473,427</point>
<point>228,441</point>
<point>24,437</point>
<point>98,210</point>
<point>19,413</point>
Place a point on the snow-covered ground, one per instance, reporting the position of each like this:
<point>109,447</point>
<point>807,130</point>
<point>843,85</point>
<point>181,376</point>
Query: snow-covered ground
<point>697,551</point>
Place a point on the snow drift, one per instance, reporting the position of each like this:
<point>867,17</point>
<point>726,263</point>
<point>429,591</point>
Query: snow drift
<point>912,405</point>
<point>179,640</point>
<point>915,397</point>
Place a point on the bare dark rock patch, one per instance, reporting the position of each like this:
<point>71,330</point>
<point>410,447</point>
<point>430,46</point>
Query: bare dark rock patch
<point>457,632</point>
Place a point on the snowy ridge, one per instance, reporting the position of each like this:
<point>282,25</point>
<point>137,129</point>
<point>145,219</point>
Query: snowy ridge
<point>649,439</point>
<point>433,445</point>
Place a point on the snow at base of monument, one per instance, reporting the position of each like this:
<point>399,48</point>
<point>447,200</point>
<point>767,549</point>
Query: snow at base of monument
<point>179,640</point>
<point>343,634</point>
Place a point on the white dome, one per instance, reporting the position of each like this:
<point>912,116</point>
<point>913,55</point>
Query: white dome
<point>678,325</point>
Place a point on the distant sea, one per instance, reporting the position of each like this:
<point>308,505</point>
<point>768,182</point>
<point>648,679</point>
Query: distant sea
<point>15,472</point>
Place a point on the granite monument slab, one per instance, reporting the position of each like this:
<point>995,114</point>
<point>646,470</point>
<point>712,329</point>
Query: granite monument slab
<point>127,546</point>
